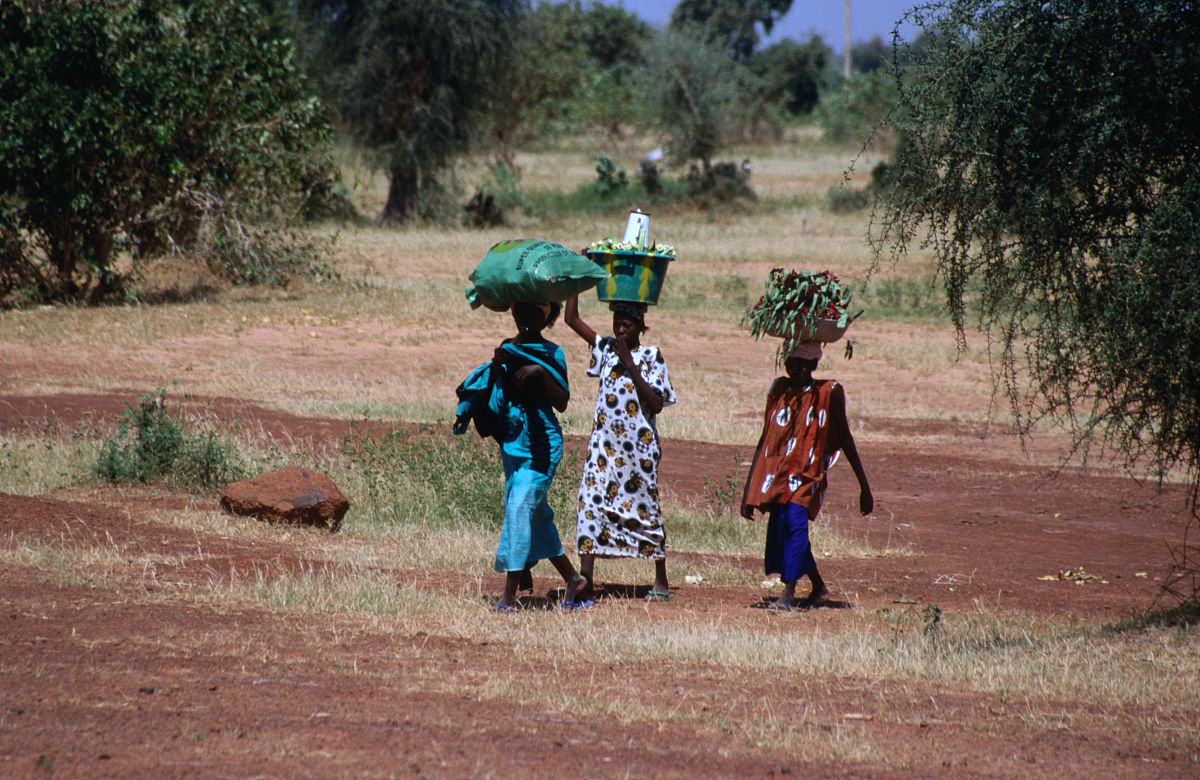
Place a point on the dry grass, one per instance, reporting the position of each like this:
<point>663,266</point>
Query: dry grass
<point>377,345</point>
<point>374,345</point>
<point>1142,683</point>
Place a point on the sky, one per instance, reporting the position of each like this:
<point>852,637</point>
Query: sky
<point>868,18</point>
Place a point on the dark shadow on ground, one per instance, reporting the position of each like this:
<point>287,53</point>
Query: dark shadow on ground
<point>802,605</point>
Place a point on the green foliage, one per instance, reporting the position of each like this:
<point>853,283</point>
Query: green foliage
<point>792,304</point>
<point>869,56</point>
<point>692,92</point>
<point>266,254</point>
<point>118,119</point>
<point>411,80</point>
<point>723,182</point>
<point>503,183</point>
<point>843,199</point>
<point>150,445</point>
<point>1048,157</point>
<point>791,73</point>
<point>570,69</point>
<point>586,199</point>
<point>903,299</point>
<point>850,113</point>
<point>731,24</point>
<point>497,195</point>
<point>427,478</point>
<point>610,180</point>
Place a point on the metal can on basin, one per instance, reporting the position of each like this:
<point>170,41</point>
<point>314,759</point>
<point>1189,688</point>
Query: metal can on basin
<point>633,276</point>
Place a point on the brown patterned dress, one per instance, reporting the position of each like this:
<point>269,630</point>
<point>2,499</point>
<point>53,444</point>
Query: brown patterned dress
<point>798,447</point>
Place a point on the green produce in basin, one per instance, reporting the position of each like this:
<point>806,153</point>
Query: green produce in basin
<point>635,275</point>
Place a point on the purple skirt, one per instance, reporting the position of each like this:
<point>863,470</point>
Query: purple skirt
<point>789,553</point>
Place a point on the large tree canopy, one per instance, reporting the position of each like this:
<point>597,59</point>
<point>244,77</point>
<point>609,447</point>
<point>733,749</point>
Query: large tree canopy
<point>692,91</point>
<point>410,79</point>
<point>120,118</point>
<point>732,23</point>
<point>1050,159</point>
<point>571,66</point>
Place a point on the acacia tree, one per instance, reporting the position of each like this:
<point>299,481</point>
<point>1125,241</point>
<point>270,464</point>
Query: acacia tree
<point>570,66</point>
<point>1049,158</point>
<point>123,119</point>
<point>410,79</point>
<point>692,92</point>
<point>731,23</point>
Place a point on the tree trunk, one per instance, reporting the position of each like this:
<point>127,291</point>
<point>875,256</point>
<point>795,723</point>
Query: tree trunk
<point>401,200</point>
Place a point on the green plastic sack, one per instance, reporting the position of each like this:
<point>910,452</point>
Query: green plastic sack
<point>530,270</point>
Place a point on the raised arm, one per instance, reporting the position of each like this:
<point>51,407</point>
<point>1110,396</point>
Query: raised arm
<point>837,414</point>
<point>576,323</point>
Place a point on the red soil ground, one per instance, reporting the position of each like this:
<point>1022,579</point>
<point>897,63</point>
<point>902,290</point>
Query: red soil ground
<point>97,682</point>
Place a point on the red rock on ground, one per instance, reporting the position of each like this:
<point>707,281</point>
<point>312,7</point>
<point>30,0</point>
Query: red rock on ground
<point>290,495</point>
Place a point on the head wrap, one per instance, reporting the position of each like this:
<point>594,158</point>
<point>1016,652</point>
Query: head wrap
<point>635,312</point>
<point>807,350</point>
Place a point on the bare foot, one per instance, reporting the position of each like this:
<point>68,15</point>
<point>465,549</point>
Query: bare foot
<point>588,591</point>
<point>574,587</point>
<point>817,598</point>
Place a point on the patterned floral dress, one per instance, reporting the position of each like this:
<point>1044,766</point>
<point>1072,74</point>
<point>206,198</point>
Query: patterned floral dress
<point>619,514</point>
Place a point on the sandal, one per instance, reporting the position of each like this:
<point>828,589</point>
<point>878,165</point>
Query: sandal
<point>503,608</point>
<point>657,595</point>
<point>778,609</point>
<point>572,606</point>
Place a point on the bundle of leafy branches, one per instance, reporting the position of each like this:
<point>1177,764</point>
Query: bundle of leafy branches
<point>799,306</point>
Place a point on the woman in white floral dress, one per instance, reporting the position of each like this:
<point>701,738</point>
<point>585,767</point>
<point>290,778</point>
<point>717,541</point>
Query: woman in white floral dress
<point>619,514</point>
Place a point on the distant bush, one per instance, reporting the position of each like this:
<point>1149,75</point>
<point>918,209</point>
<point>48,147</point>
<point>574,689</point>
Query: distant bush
<point>843,199</point>
<point>610,180</point>
<point>724,181</point>
<point>850,113</point>
<point>125,126</point>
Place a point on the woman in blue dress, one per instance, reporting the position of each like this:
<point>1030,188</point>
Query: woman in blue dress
<point>513,399</point>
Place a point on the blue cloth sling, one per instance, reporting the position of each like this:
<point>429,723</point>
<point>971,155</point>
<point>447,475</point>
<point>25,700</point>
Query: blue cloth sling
<point>530,448</point>
<point>482,396</point>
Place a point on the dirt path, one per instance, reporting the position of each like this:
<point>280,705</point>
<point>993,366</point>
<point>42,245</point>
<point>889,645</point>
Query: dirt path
<point>100,682</point>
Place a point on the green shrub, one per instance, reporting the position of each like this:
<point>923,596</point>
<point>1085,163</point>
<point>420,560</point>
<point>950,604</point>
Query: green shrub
<point>120,122</point>
<point>266,254</point>
<point>850,113</point>
<point>841,199</point>
<point>149,445</point>
<point>610,180</point>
